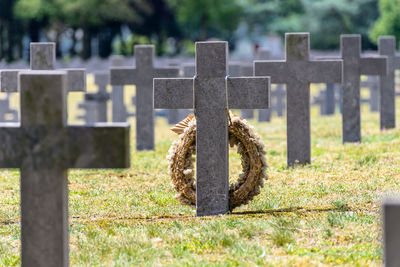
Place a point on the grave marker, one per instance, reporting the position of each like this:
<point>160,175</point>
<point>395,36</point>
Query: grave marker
<point>330,98</point>
<point>96,103</point>
<point>43,57</point>
<point>297,72</point>
<point>142,76</point>
<point>372,83</point>
<point>119,112</point>
<point>210,93</point>
<point>43,147</point>
<point>387,47</point>
<point>391,232</point>
<point>354,65</point>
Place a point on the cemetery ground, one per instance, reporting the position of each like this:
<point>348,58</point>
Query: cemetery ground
<point>326,213</point>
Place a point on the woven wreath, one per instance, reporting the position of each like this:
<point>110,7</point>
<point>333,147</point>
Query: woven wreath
<point>249,146</point>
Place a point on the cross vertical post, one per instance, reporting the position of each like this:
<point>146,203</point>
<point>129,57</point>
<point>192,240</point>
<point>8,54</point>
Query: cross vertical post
<point>387,47</point>
<point>353,67</point>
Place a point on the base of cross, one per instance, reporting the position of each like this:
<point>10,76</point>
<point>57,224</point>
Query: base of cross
<point>249,147</point>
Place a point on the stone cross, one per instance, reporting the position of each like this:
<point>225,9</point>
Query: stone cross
<point>353,67</point>
<point>210,93</point>
<point>7,114</point>
<point>119,112</point>
<point>43,57</point>
<point>100,98</point>
<point>43,147</point>
<point>372,83</point>
<point>387,47</point>
<point>297,72</point>
<point>391,232</point>
<point>330,98</point>
<point>320,100</point>
<point>280,99</point>
<point>142,76</point>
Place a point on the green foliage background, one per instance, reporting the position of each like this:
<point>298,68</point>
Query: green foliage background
<point>186,21</point>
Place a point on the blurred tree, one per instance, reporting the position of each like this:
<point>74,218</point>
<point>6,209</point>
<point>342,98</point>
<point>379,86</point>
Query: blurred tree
<point>201,20</point>
<point>101,16</point>
<point>389,20</point>
<point>7,33</point>
<point>324,19</point>
<point>37,15</point>
<point>327,19</point>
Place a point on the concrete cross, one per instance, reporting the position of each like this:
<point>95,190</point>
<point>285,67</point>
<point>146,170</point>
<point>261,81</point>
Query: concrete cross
<point>210,93</point>
<point>280,99</point>
<point>7,114</point>
<point>43,147</point>
<point>320,100</point>
<point>98,100</point>
<point>330,98</point>
<point>43,57</point>
<point>372,83</point>
<point>353,67</point>
<point>119,112</point>
<point>235,70</point>
<point>297,72</point>
<point>391,232</point>
<point>142,76</point>
<point>387,47</point>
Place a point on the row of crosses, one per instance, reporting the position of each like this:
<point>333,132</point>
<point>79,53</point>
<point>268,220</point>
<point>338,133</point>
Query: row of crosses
<point>44,147</point>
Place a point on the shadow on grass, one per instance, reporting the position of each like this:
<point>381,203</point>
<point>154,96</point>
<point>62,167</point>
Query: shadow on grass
<point>110,219</point>
<point>290,209</point>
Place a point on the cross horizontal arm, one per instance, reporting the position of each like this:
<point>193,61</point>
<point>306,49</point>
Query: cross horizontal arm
<point>99,146</point>
<point>170,93</point>
<point>248,92</point>
<point>324,71</point>
<point>123,75</point>
<point>374,65</point>
<point>76,80</point>
<point>275,69</point>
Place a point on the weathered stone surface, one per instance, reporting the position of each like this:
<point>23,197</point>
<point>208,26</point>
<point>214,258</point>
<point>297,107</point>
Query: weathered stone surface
<point>353,67</point>
<point>43,147</point>
<point>43,58</point>
<point>206,93</point>
<point>297,72</point>
<point>387,47</point>
<point>391,229</point>
<point>142,76</point>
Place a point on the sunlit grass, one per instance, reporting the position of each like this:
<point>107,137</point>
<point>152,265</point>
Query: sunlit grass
<point>324,213</point>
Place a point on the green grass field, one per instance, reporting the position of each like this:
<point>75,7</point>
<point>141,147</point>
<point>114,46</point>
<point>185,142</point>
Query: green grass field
<point>327,213</point>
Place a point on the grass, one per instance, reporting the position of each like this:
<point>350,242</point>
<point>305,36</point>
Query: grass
<point>326,213</point>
